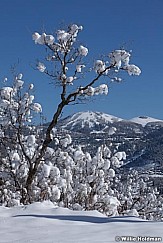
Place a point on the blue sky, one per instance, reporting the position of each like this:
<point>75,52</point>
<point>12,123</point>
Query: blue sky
<point>108,24</point>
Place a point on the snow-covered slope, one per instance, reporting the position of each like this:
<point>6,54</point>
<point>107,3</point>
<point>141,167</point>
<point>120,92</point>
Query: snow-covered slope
<point>45,223</point>
<point>144,120</point>
<point>88,119</point>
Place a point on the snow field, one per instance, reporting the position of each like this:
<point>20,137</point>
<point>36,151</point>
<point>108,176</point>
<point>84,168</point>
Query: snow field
<point>46,223</point>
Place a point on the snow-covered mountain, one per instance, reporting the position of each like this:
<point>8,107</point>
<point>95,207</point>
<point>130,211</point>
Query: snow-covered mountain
<point>89,120</point>
<point>98,121</point>
<point>144,120</point>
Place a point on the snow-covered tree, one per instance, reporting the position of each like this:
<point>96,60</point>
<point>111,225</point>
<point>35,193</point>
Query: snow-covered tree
<point>19,140</point>
<point>24,151</point>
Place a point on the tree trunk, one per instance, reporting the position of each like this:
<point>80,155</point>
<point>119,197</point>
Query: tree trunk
<point>34,167</point>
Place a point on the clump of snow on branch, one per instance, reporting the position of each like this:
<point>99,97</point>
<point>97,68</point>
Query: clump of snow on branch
<point>41,67</point>
<point>83,51</point>
<point>43,39</point>
<point>99,66</point>
<point>79,68</point>
<point>90,91</point>
<point>121,59</point>
<point>36,107</point>
<point>133,70</point>
<point>65,38</point>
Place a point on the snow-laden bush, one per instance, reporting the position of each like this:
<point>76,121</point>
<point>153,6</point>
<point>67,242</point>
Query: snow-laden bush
<point>67,176</point>
<point>18,138</point>
<point>77,178</point>
<point>138,196</point>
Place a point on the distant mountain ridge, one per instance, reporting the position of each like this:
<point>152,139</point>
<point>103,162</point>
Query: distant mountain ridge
<point>144,120</point>
<point>99,120</point>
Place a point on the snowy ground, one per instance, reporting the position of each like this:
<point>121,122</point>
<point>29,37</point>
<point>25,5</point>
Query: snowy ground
<point>43,222</point>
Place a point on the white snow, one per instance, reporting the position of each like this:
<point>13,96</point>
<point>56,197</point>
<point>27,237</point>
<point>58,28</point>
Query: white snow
<point>118,57</point>
<point>45,223</point>
<point>69,79</point>
<point>144,120</point>
<point>6,93</point>
<point>63,36</point>
<point>90,118</point>
<point>99,66</point>
<point>133,70</point>
<point>83,51</point>
<point>42,39</point>
<point>79,68</point>
<point>37,107</point>
<point>41,67</point>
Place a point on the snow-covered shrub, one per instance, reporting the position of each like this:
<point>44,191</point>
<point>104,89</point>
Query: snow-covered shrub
<point>138,197</point>
<point>70,177</point>
<point>67,176</point>
<point>17,148</point>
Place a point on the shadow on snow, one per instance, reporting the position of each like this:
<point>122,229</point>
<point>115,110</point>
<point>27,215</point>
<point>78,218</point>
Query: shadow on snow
<point>88,219</point>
